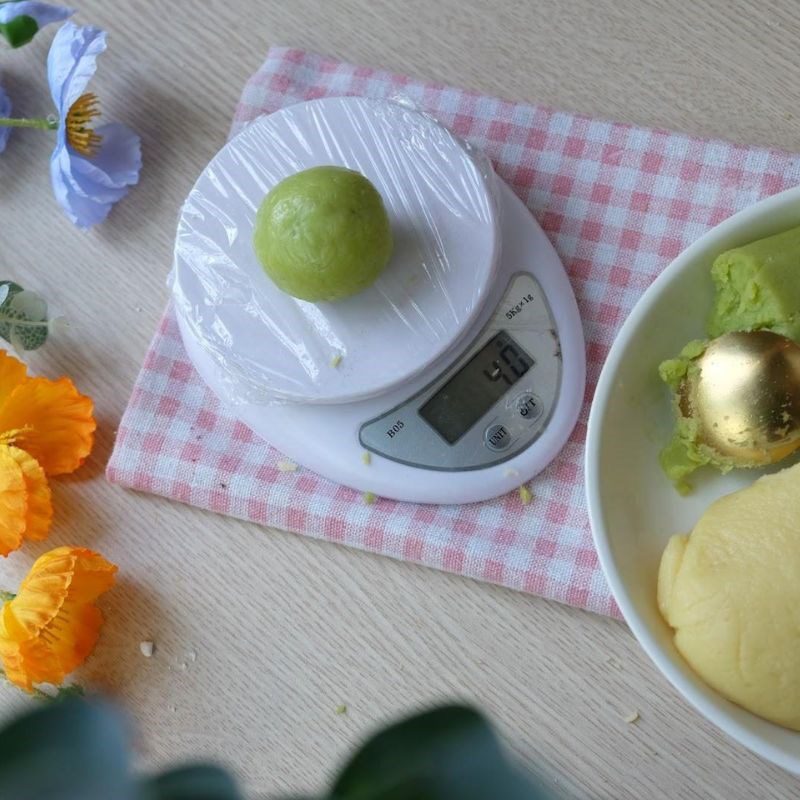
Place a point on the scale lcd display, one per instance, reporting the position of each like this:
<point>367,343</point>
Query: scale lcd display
<point>476,387</point>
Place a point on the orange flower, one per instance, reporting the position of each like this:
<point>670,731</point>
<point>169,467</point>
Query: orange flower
<point>52,624</point>
<point>46,428</point>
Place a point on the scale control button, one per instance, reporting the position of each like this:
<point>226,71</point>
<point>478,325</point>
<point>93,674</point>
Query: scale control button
<point>497,437</point>
<point>529,407</point>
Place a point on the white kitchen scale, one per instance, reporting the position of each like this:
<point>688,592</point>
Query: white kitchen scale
<point>461,372</point>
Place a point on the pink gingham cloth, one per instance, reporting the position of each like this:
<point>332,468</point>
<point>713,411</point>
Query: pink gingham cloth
<point>618,202</point>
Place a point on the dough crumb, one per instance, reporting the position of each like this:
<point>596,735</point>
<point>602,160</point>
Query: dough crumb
<point>525,495</point>
<point>336,360</point>
<point>146,649</point>
<point>632,717</point>
<point>287,466</point>
<point>366,458</point>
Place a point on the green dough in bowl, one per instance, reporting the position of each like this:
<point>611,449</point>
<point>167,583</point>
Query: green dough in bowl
<point>757,287</point>
<point>323,234</point>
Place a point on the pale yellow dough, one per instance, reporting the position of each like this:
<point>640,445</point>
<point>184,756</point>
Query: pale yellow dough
<point>731,591</point>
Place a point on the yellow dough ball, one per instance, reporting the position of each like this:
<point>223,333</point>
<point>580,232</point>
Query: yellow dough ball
<point>731,592</point>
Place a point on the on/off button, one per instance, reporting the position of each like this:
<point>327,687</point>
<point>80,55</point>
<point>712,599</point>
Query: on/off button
<point>497,437</point>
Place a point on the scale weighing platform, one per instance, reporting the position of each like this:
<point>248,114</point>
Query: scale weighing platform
<point>463,414</point>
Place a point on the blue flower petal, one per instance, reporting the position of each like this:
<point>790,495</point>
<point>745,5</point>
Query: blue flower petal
<point>5,111</point>
<point>87,188</point>
<point>71,63</point>
<point>43,13</point>
<point>118,162</point>
<point>83,211</point>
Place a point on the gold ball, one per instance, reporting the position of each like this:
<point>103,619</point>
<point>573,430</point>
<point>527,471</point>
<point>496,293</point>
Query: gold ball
<point>745,394</point>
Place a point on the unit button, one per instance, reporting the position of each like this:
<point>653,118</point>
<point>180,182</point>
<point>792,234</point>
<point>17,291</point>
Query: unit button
<point>497,437</point>
<point>529,407</point>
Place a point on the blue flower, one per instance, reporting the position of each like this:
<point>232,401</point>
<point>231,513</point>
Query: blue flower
<point>91,169</point>
<point>5,111</point>
<point>20,20</point>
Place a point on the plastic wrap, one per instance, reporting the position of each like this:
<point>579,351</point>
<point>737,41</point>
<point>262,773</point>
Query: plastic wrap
<point>272,348</point>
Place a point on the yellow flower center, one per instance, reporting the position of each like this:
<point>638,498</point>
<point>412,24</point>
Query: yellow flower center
<point>9,437</point>
<point>80,135</point>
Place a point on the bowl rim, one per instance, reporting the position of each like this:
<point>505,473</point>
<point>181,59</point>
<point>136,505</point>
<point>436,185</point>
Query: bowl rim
<point>597,415</point>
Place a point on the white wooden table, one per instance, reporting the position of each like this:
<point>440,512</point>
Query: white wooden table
<point>284,629</point>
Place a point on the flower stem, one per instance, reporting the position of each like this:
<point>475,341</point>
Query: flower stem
<point>60,693</point>
<point>40,123</point>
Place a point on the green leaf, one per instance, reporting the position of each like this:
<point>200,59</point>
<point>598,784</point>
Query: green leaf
<point>23,317</point>
<point>450,753</point>
<point>74,750</point>
<point>200,782</point>
<point>20,30</point>
<point>68,692</point>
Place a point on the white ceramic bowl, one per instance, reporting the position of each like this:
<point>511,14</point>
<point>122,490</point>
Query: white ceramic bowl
<point>632,507</point>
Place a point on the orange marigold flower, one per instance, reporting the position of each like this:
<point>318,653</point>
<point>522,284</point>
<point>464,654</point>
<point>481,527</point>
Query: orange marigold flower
<point>25,505</point>
<point>46,428</point>
<point>50,420</point>
<point>52,625</point>
<point>13,373</point>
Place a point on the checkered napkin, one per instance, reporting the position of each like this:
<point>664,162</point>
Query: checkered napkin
<point>618,202</point>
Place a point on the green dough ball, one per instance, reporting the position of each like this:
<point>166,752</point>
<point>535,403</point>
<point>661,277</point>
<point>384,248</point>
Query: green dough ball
<point>323,234</point>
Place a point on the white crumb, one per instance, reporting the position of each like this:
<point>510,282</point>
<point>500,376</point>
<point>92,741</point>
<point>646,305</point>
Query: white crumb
<point>632,717</point>
<point>49,689</point>
<point>146,649</point>
<point>510,472</point>
<point>366,458</point>
<point>287,466</point>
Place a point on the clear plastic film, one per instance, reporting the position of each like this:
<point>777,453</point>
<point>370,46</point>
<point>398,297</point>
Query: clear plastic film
<point>268,347</point>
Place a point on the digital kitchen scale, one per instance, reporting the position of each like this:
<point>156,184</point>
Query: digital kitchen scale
<point>484,403</point>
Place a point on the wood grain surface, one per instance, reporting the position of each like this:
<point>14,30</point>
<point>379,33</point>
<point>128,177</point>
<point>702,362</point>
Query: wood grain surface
<point>260,635</point>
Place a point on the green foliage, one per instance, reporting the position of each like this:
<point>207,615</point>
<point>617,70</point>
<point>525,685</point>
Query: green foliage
<point>73,690</point>
<point>449,753</point>
<point>71,746</point>
<point>200,782</point>
<point>78,749</point>
<point>20,30</point>
<point>23,317</point>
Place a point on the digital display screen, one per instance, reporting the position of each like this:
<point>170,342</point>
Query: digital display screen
<point>472,391</point>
